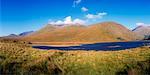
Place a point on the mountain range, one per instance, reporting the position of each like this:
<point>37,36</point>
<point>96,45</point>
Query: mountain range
<point>19,35</point>
<point>100,32</point>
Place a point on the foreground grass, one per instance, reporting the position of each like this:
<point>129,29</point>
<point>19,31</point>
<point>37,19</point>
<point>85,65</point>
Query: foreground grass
<point>19,58</point>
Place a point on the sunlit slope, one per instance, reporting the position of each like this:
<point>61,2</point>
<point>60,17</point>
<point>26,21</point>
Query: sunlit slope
<point>55,34</point>
<point>106,31</point>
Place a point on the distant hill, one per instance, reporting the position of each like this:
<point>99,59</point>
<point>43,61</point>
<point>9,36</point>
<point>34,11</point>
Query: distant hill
<point>101,32</point>
<point>25,33</point>
<point>11,36</point>
<point>15,36</point>
<point>142,30</point>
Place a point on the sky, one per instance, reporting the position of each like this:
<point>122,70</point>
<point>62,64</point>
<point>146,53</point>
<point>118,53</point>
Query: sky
<point>18,16</point>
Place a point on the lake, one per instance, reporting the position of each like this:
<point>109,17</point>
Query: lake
<point>100,46</point>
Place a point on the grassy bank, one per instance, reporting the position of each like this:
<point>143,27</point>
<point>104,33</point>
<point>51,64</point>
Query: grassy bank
<point>19,58</point>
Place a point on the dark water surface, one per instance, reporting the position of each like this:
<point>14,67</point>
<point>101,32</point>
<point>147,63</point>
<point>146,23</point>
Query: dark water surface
<point>100,46</point>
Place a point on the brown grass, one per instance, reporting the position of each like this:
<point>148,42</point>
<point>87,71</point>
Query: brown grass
<point>17,57</point>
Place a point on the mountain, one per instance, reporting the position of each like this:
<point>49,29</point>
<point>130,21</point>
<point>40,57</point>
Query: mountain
<point>142,30</point>
<point>25,33</point>
<point>15,36</point>
<point>12,35</point>
<point>101,32</point>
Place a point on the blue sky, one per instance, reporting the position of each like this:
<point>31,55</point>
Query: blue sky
<point>18,16</point>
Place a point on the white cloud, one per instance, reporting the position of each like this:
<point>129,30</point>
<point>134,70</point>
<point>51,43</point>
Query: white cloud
<point>79,21</point>
<point>68,20</point>
<point>102,14</point>
<point>142,24</point>
<point>96,16</point>
<point>76,2</point>
<point>90,16</point>
<point>84,9</point>
<point>57,22</point>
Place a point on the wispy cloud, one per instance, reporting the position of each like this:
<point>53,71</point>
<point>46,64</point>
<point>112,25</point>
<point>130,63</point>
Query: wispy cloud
<point>96,16</point>
<point>84,9</point>
<point>142,24</point>
<point>76,2</point>
<point>68,20</point>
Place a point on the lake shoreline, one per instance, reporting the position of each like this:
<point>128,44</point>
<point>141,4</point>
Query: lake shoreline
<point>96,46</point>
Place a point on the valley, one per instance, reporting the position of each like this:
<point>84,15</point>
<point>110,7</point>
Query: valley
<point>75,37</point>
<point>99,49</point>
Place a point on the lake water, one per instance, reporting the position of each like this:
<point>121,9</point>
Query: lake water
<point>100,46</point>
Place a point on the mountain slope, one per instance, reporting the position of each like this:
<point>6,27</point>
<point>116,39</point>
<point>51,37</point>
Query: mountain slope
<point>102,32</point>
<point>52,33</point>
<point>106,31</point>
